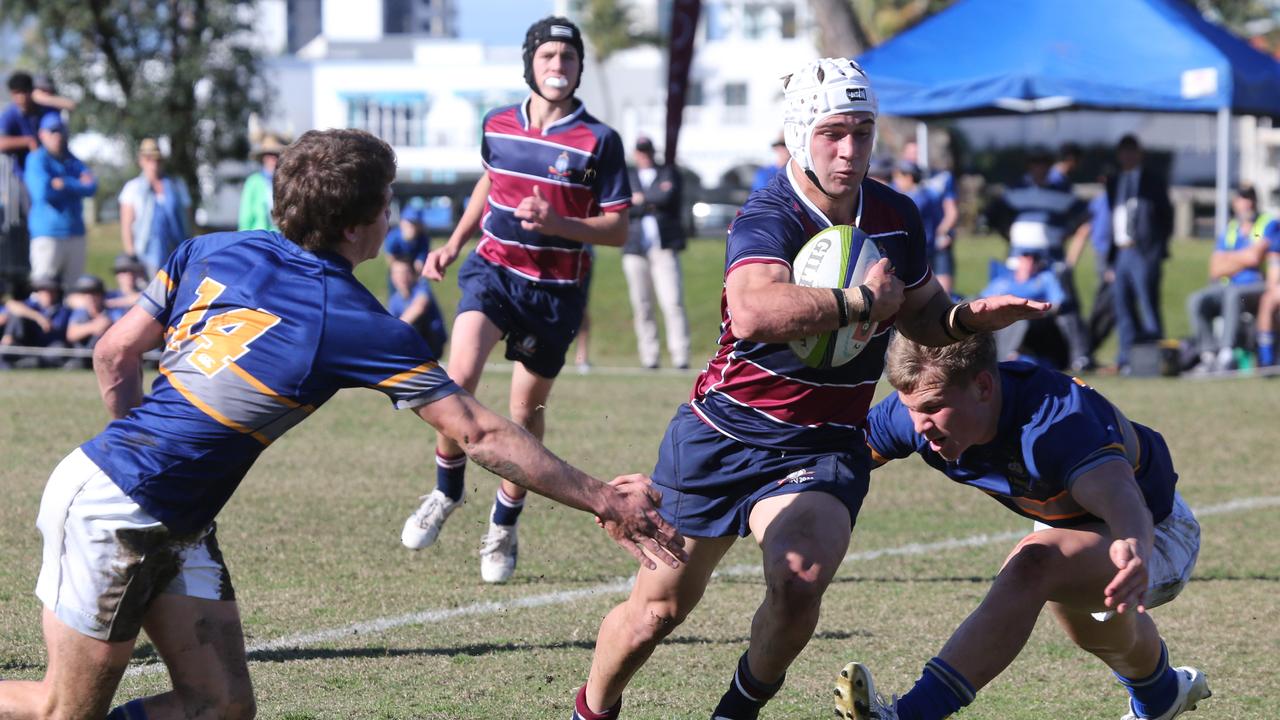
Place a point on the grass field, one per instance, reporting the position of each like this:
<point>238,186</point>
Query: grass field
<point>342,622</point>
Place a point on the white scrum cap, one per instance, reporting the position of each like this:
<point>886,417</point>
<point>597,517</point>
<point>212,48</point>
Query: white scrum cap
<point>818,90</point>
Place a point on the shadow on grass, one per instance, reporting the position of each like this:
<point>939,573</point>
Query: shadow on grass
<point>471,650</point>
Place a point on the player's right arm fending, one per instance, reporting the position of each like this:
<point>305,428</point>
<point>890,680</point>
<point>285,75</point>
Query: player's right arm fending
<point>929,317</point>
<point>628,510</point>
<point>117,360</point>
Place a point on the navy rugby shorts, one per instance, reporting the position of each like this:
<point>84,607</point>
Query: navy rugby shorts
<point>710,482</point>
<point>539,322</point>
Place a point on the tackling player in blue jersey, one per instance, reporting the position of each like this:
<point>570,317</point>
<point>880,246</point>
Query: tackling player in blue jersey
<point>1112,537</point>
<point>257,330</point>
<point>766,446</point>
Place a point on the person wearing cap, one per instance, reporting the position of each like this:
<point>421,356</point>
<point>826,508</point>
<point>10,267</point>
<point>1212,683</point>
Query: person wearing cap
<point>89,318</point>
<point>255,199</point>
<point>767,445</point>
<point>58,183</point>
<point>651,257</point>
<point>1027,274</point>
<point>130,279</point>
<point>554,183</point>
<point>1037,216</point>
<point>907,177</point>
<point>40,321</point>
<point>766,173</point>
<point>155,210</point>
<point>409,238</point>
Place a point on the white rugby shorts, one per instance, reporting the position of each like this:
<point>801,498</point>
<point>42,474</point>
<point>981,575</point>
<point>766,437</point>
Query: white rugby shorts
<point>106,559</point>
<point>1173,557</point>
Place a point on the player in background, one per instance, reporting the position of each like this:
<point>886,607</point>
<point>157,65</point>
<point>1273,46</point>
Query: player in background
<point>1112,536</point>
<point>258,330</point>
<point>555,182</point>
<point>766,445</point>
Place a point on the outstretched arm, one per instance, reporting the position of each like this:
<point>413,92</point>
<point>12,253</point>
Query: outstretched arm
<point>438,260</point>
<point>628,508</point>
<point>1110,492</point>
<point>930,318</point>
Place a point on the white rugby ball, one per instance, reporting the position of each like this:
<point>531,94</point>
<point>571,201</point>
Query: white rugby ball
<point>837,257</point>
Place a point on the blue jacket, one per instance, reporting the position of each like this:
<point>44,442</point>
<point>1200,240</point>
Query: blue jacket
<point>56,213</point>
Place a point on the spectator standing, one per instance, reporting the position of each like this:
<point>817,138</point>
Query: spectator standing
<point>1037,217</point>
<point>766,173</point>
<point>155,210</point>
<point>1097,232</point>
<point>255,198</point>
<point>942,184</point>
<point>58,183</point>
<point>1235,281</point>
<point>1062,170</point>
<point>20,121</point>
<point>651,256</point>
<point>1141,223</point>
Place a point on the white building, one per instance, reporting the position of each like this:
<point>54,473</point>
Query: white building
<point>427,94</point>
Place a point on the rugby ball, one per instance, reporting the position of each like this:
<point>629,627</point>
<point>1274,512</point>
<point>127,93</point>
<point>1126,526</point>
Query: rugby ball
<point>837,257</point>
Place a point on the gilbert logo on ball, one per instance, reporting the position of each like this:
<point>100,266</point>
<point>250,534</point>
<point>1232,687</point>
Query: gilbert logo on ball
<point>837,257</point>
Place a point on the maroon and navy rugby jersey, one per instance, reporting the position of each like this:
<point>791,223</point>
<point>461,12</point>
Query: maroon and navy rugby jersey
<point>761,393</point>
<point>579,165</point>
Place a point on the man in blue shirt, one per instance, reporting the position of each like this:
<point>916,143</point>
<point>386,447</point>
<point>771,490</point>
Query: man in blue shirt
<point>20,121</point>
<point>1112,536</point>
<point>58,183</point>
<point>257,330</point>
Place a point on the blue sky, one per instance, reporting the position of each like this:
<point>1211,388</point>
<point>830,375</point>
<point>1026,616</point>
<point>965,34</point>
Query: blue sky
<point>500,22</point>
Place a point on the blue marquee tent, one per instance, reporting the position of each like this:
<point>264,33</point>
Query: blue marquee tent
<point>992,56</point>
<point>982,57</point>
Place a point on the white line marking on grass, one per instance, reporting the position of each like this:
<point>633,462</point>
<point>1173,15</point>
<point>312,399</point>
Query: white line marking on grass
<point>373,627</point>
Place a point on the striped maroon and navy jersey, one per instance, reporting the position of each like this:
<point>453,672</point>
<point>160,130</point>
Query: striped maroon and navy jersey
<point>761,393</point>
<point>579,165</point>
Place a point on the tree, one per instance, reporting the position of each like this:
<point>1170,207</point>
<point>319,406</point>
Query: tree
<point>182,69</point>
<point>608,26</point>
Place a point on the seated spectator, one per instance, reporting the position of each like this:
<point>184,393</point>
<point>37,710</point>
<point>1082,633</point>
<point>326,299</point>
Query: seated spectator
<point>1027,274</point>
<point>1037,216</point>
<point>39,322</point>
<point>1235,281</point>
<point>1269,306</point>
<point>89,319</point>
<point>58,183</point>
<point>409,239</point>
<point>155,210</point>
<point>411,301</point>
<point>130,282</point>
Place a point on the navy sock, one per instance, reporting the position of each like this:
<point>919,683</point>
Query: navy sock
<point>451,475</point>
<point>1152,695</point>
<point>1266,348</point>
<point>506,511</point>
<point>131,710</point>
<point>940,692</point>
<point>746,695</point>
<point>582,712</point>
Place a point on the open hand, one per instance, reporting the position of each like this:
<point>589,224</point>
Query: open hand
<point>438,260</point>
<point>1127,589</point>
<point>1001,311</point>
<point>631,519</point>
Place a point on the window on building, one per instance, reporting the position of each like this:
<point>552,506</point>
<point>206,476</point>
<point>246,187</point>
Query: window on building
<point>397,16</point>
<point>716,22</point>
<point>755,24</point>
<point>694,94</point>
<point>735,94</point>
<point>787,15</point>
<point>398,118</point>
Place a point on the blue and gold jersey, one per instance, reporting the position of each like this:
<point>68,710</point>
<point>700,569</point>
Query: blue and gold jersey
<point>258,334</point>
<point>1052,430</point>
